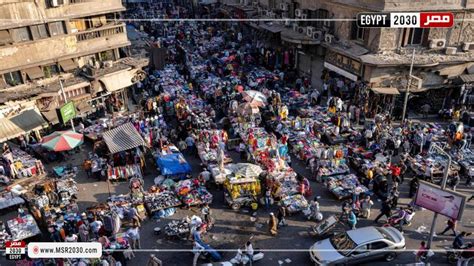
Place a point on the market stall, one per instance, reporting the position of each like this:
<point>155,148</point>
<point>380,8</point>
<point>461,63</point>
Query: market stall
<point>124,139</point>
<point>343,186</point>
<point>22,228</point>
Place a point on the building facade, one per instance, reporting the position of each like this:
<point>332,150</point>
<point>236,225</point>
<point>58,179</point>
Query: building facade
<point>381,57</point>
<point>77,44</point>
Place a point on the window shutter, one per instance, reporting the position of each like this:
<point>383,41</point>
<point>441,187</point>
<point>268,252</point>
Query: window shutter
<point>354,30</point>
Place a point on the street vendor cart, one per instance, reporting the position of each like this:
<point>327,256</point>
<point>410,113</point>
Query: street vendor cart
<point>241,191</point>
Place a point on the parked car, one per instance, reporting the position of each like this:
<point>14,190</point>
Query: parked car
<point>357,246</point>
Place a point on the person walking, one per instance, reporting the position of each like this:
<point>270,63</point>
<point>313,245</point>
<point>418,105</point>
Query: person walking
<point>450,225</point>
<point>422,252</point>
<point>281,216</point>
<point>365,205</point>
<point>134,235</point>
<point>273,225</point>
<point>385,210</point>
<point>352,219</point>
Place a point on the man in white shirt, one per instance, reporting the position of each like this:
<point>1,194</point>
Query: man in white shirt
<point>249,251</point>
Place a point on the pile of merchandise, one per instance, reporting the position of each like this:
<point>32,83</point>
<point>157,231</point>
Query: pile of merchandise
<point>343,186</point>
<point>155,202</point>
<point>294,203</point>
<point>22,228</point>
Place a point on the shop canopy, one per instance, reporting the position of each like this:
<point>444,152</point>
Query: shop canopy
<point>18,125</point>
<point>122,138</point>
<point>389,90</point>
<point>117,81</point>
<point>173,164</point>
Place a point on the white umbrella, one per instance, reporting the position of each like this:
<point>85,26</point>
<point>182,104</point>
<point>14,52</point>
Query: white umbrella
<point>247,169</point>
<point>253,96</point>
<point>248,109</point>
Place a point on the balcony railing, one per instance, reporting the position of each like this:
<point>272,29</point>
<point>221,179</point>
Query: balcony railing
<point>101,32</point>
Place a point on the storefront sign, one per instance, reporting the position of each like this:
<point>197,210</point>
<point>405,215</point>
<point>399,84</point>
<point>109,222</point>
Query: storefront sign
<point>340,71</point>
<point>66,113</point>
<point>444,202</point>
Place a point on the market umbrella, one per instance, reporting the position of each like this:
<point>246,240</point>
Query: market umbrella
<point>248,109</point>
<point>254,97</point>
<point>247,169</point>
<point>62,141</point>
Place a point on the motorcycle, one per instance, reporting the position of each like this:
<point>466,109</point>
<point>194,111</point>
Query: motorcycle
<point>453,255</point>
<point>405,215</point>
<point>243,259</point>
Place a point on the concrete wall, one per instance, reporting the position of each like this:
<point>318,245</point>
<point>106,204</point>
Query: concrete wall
<point>20,13</point>
<point>49,50</point>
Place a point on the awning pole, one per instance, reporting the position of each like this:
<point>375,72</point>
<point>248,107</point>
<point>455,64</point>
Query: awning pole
<point>408,86</point>
<point>65,101</point>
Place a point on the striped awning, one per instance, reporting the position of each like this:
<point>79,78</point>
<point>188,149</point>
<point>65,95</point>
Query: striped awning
<point>122,138</point>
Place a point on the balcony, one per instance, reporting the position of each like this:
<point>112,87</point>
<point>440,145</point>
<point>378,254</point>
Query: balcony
<point>105,31</point>
<point>51,50</point>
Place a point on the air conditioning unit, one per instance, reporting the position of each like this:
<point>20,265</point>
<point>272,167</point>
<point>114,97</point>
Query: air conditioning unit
<point>437,43</point>
<point>55,3</point>
<point>284,6</point>
<point>451,50</point>
<point>287,23</point>
<point>295,26</point>
<point>310,30</point>
<point>298,12</point>
<point>468,46</point>
<point>304,16</point>
<point>317,35</point>
<point>328,38</point>
<point>255,3</point>
<point>301,30</point>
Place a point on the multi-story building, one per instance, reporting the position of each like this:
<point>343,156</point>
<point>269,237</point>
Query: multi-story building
<point>45,44</point>
<point>381,57</point>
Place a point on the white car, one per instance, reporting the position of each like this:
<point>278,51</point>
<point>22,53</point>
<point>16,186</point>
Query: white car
<point>357,246</point>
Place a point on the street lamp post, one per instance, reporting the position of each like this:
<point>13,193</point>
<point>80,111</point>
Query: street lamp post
<point>65,101</point>
<point>407,92</point>
<point>443,186</point>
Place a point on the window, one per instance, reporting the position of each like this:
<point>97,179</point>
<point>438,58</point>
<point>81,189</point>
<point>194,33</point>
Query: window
<point>78,25</point>
<point>56,28</point>
<point>107,55</point>
<point>54,3</point>
<point>378,245</point>
<point>358,33</point>
<point>13,78</point>
<point>360,250</point>
<point>21,34</point>
<point>50,70</point>
<point>413,36</point>
<point>5,37</point>
<point>322,14</point>
<point>39,31</point>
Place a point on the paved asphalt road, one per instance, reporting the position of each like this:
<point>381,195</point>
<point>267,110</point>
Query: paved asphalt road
<point>232,229</point>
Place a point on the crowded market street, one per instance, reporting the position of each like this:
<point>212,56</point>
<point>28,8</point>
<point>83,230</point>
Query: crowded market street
<point>219,146</point>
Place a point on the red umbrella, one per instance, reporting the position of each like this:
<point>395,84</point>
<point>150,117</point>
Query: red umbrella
<point>62,141</point>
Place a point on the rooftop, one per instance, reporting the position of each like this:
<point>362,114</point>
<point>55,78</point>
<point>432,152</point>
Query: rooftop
<point>423,57</point>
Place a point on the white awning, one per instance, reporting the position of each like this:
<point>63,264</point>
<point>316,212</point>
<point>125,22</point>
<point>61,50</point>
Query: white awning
<point>118,80</point>
<point>340,71</point>
<point>389,90</point>
<point>18,125</point>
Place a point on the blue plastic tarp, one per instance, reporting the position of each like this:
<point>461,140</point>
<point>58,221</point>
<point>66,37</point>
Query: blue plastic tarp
<point>173,164</point>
